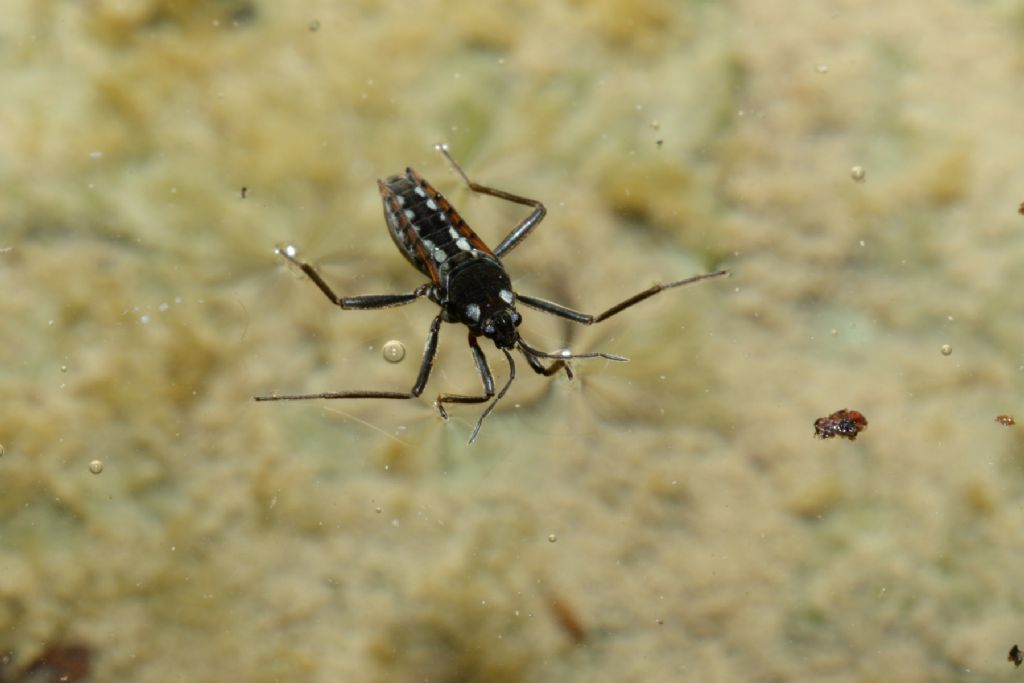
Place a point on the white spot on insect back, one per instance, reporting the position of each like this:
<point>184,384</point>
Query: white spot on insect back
<point>432,205</point>
<point>400,199</point>
<point>463,244</point>
<point>419,191</point>
<point>473,312</point>
<point>454,233</point>
<point>439,255</point>
<point>506,296</point>
<point>410,214</point>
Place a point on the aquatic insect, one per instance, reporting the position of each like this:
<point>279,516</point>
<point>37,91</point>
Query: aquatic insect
<point>1006,420</point>
<point>470,284</point>
<point>845,423</point>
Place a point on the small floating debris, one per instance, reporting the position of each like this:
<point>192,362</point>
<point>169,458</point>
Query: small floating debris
<point>567,619</point>
<point>844,423</point>
<point>1016,655</point>
<point>64,662</point>
<point>1006,420</point>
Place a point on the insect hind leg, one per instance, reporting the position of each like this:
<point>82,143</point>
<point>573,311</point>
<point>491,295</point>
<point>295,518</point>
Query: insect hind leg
<point>525,226</point>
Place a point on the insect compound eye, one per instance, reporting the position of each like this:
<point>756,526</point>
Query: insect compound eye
<point>516,318</point>
<point>488,329</point>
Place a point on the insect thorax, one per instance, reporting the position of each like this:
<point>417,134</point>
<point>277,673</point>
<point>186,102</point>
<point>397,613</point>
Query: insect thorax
<point>475,290</point>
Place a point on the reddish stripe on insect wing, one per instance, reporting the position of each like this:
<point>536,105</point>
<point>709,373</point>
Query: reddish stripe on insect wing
<point>460,226</point>
<point>422,254</point>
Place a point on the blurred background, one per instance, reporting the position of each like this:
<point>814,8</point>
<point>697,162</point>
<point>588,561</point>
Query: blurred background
<point>856,165</point>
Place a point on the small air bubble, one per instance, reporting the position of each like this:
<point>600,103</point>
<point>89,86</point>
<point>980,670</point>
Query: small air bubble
<point>393,351</point>
<point>314,25</point>
<point>946,349</point>
<point>821,68</point>
<point>96,466</point>
<point>552,538</point>
<point>858,173</point>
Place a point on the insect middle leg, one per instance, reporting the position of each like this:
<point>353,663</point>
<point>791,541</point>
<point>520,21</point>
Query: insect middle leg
<point>368,301</point>
<point>429,354</point>
<point>485,377</point>
<point>589,319</point>
<point>524,227</point>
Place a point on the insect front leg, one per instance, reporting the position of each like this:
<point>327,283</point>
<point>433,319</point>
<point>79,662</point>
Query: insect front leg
<point>485,377</point>
<point>539,368</point>
<point>365,302</point>
<point>525,226</point>
<point>429,354</point>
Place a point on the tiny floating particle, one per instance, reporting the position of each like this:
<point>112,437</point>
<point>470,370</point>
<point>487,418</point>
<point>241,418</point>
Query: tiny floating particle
<point>96,466</point>
<point>394,351</point>
<point>946,349</point>
<point>314,25</point>
<point>552,538</point>
<point>845,423</point>
<point>858,173</point>
<point>567,618</point>
<point>245,190</point>
<point>1006,420</point>
<point>1016,655</point>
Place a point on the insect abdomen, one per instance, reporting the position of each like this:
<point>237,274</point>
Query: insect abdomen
<point>424,226</point>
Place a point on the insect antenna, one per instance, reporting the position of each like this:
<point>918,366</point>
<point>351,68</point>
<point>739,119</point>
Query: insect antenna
<point>511,376</point>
